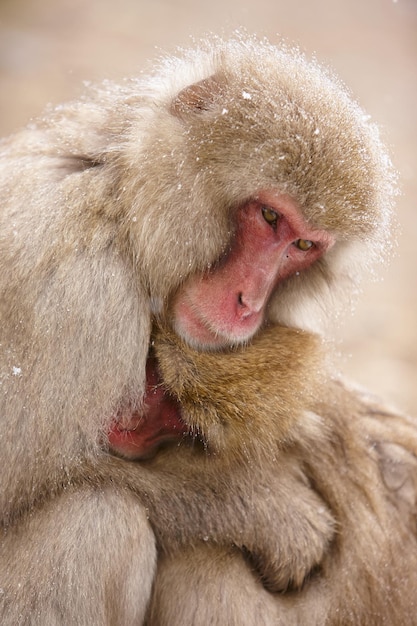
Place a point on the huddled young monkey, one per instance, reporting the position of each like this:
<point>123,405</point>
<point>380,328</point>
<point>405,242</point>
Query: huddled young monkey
<point>176,447</point>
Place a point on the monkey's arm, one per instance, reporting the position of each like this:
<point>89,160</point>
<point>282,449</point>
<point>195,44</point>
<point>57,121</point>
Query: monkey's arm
<point>63,277</point>
<point>270,513</point>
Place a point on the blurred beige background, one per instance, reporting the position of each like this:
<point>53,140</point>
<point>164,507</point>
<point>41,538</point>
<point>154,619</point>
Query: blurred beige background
<point>49,47</point>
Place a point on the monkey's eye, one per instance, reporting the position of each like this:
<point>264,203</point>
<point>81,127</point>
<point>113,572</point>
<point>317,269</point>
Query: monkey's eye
<point>303,244</point>
<point>270,216</point>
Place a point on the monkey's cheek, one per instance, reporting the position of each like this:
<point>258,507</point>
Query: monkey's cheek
<point>137,434</point>
<point>138,446</point>
<point>126,444</point>
<point>158,426</point>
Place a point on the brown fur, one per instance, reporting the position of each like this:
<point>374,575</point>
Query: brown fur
<point>101,202</point>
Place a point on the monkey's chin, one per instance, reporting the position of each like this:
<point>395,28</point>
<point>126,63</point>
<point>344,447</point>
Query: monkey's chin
<point>207,339</point>
<point>202,334</point>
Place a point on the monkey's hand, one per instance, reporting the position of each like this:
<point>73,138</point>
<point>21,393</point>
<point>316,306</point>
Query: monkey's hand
<point>292,531</point>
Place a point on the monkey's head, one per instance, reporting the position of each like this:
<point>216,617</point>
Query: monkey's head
<point>260,191</point>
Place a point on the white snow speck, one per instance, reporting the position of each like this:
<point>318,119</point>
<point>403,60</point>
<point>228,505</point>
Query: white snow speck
<point>224,111</point>
<point>246,95</point>
<point>17,371</point>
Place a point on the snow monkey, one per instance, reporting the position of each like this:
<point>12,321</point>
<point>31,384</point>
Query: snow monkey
<point>228,201</point>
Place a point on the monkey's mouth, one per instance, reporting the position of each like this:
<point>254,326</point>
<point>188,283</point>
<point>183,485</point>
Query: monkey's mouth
<point>138,434</point>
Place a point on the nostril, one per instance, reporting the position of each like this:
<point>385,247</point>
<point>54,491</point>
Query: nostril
<point>248,306</point>
<point>243,310</point>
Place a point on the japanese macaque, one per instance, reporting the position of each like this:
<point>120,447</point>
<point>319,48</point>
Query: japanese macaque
<point>237,188</point>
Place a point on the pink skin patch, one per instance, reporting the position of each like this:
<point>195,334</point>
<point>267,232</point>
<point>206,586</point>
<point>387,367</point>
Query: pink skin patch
<point>227,305</point>
<point>138,436</point>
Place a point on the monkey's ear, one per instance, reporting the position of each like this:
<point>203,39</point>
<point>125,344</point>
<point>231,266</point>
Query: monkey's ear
<point>197,97</point>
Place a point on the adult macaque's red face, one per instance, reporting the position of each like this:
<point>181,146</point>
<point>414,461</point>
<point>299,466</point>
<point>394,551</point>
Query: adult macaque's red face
<point>227,304</point>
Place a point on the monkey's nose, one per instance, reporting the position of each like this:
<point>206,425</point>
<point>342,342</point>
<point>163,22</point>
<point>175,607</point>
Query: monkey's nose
<point>246,308</point>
